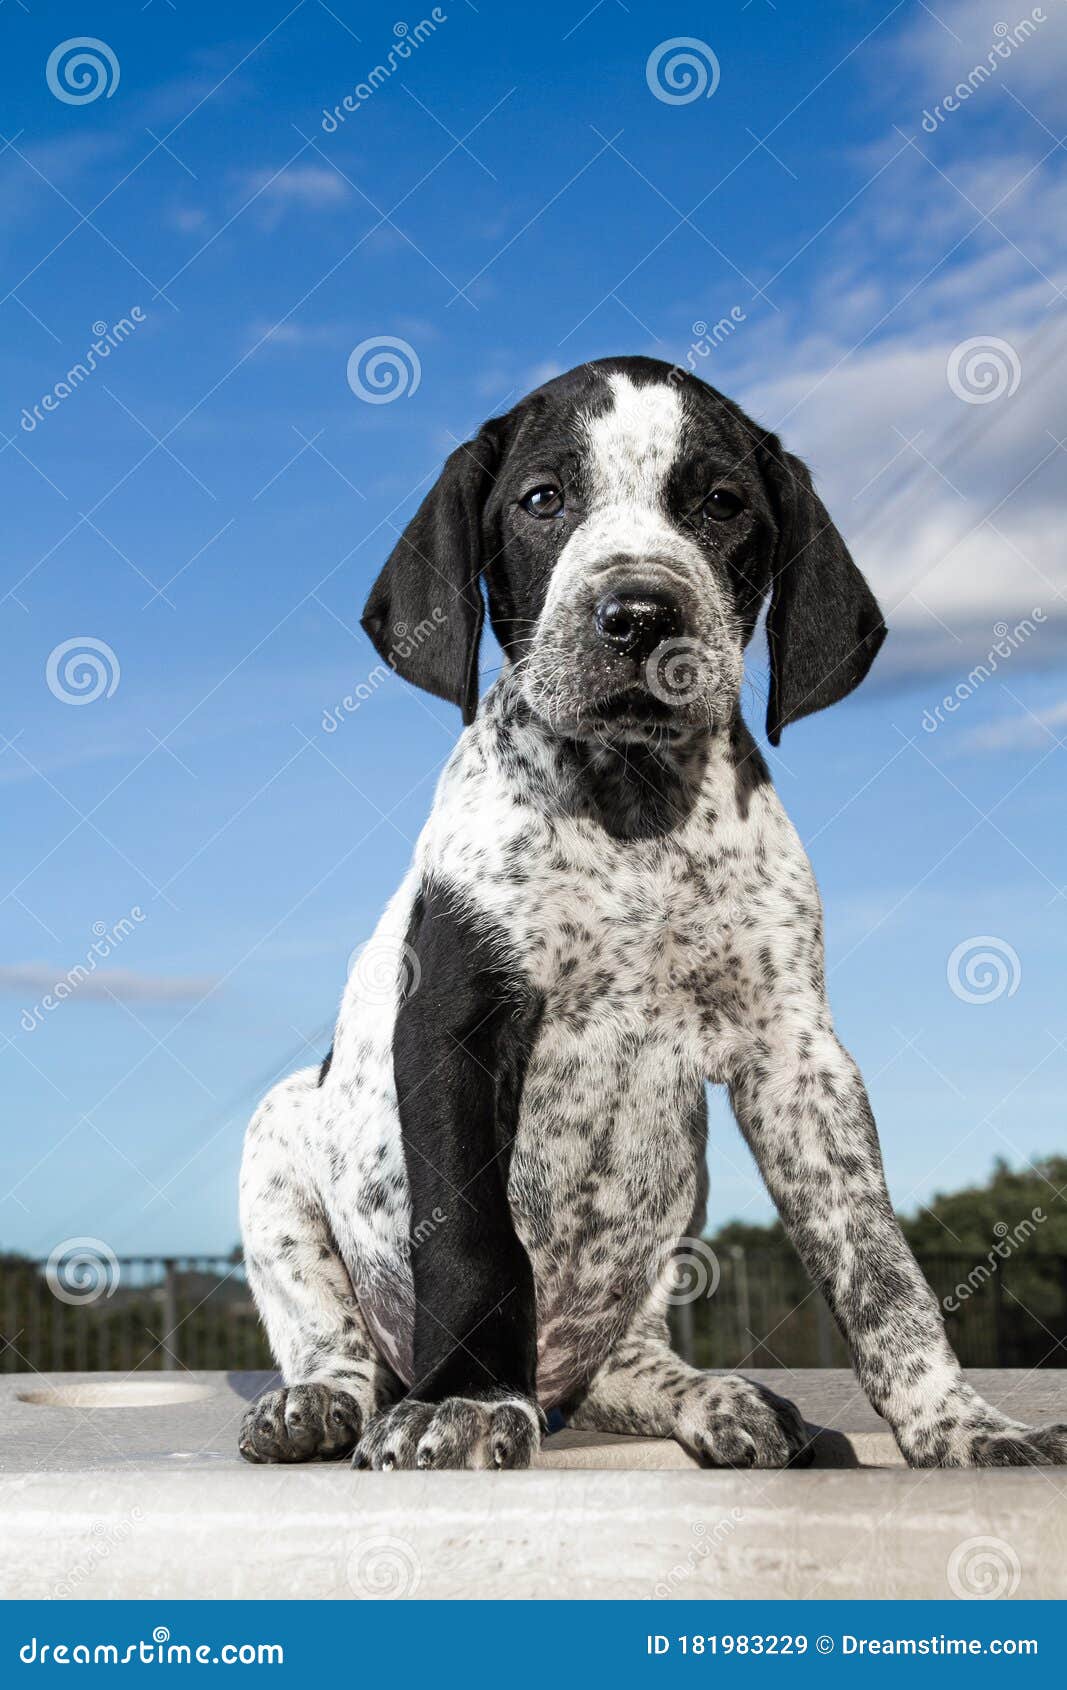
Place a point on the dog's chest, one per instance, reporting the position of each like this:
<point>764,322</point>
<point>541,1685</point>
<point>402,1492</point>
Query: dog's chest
<point>621,937</point>
<point>604,1177</point>
<point>617,939</point>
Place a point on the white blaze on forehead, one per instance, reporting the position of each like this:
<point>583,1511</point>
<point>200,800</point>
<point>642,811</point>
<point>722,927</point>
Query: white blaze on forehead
<point>633,444</point>
<point>630,450</point>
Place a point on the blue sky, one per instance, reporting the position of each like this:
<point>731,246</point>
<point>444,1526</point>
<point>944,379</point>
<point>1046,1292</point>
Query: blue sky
<point>211,502</point>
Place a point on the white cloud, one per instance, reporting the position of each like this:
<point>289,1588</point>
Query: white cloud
<point>35,979</point>
<point>188,219</point>
<point>954,508</point>
<point>310,187</point>
<point>943,45</point>
<point>299,335</point>
<point>1037,728</point>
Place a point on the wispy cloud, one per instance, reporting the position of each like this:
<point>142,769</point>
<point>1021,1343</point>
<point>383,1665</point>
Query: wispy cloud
<point>311,186</point>
<point>106,985</point>
<point>299,335</point>
<point>1018,733</point>
<point>941,46</point>
<point>949,491</point>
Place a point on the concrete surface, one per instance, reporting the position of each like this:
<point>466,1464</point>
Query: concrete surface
<point>116,1486</point>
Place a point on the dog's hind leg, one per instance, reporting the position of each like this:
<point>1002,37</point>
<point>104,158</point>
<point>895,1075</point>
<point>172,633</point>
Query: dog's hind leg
<point>335,1380</point>
<point>645,1389</point>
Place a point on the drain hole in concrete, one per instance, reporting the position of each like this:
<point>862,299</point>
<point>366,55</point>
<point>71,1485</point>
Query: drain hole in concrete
<point>129,1393</point>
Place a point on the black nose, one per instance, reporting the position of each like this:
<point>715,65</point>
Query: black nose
<point>636,622</point>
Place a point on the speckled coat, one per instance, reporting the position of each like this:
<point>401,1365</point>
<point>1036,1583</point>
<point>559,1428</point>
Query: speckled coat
<point>471,1214</point>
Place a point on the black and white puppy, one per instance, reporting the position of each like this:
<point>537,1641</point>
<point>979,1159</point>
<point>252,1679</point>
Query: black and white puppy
<point>469,1214</point>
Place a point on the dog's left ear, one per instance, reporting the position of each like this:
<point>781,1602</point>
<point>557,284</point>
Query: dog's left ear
<point>824,626</point>
<point>425,610</point>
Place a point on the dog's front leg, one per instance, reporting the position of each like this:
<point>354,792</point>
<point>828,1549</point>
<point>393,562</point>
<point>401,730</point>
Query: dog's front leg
<point>459,1049</point>
<point>644,1389</point>
<point>802,1107</point>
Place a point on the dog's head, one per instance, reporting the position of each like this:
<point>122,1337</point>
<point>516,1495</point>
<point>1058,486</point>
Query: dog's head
<point>628,522</point>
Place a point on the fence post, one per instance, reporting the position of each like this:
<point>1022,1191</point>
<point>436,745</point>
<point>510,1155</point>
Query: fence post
<point>170,1313</point>
<point>999,1336</point>
<point>683,1330</point>
<point>743,1313</point>
<point>824,1330</point>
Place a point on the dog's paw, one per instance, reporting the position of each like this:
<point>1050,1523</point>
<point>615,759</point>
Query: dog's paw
<point>301,1423</point>
<point>1029,1446</point>
<point>1005,1445</point>
<point>733,1422</point>
<point>459,1432</point>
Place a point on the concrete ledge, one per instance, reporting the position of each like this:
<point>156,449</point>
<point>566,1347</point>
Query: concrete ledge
<point>138,1491</point>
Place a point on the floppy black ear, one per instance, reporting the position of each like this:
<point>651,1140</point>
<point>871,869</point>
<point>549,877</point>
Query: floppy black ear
<point>824,626</point>
<point>425,610</point>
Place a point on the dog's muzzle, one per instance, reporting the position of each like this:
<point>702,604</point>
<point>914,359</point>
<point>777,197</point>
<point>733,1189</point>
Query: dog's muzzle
<point>635,619</point>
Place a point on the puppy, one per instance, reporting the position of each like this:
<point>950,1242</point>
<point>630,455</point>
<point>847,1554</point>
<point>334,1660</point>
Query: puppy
<point>468,1215</point>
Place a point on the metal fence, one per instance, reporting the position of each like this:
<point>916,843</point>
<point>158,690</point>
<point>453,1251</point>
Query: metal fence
<point>759,1309</point>
<point>90,1313</point>
<point>733,1308</point>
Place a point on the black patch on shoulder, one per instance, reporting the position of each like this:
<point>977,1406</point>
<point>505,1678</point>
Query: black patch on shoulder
<point>325,1065</point>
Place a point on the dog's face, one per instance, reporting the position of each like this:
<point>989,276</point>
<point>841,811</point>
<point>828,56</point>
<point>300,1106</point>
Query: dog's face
<point>628,522</point>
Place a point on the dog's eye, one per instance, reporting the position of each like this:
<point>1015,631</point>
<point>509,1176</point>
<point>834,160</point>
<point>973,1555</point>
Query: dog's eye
<point>544,501</point>
<point>721,505</point>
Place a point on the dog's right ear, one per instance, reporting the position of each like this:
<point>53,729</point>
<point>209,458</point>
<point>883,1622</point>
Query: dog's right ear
<point>824,627</point>
<point>425,610</point>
